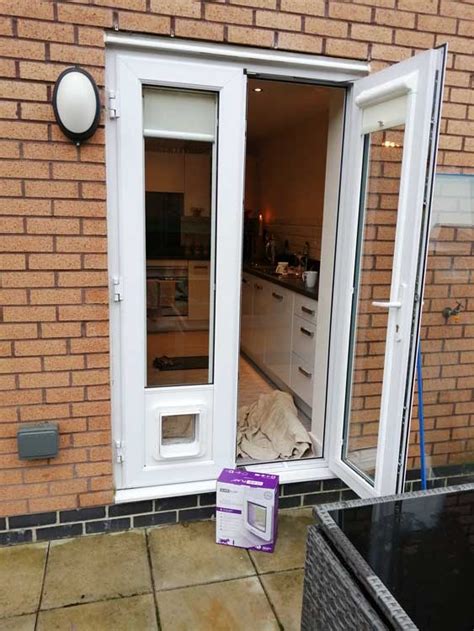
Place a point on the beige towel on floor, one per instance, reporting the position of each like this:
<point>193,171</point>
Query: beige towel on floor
<point>269,429</point>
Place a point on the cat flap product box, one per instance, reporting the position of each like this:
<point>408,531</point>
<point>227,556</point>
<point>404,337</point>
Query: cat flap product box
<point>247,509</point>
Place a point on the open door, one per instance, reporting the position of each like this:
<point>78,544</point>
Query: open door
<point>387,181</point>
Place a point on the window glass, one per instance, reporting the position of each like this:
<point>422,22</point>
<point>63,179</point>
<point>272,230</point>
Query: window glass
<point>179,224</point>
<point>447,335</point>
<point>376,246</point>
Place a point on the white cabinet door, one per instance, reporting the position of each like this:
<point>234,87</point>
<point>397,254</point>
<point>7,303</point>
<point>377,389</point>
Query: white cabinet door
<point>278,331</point>
<point>261,301</point>
<point>387,182</point>
<point>246,314</point>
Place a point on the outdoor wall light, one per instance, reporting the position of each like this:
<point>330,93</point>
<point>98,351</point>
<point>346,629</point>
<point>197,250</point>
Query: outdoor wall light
<point>76,104</point>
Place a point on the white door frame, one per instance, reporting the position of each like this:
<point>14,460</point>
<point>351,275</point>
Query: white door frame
<point>277,64</point>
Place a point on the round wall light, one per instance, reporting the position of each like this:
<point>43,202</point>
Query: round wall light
<point>76,104</point>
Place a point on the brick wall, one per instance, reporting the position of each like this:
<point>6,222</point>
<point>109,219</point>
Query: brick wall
<point>54,318</point>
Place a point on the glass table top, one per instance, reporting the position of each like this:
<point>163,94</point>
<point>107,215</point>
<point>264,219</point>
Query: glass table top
<point>422,549</point>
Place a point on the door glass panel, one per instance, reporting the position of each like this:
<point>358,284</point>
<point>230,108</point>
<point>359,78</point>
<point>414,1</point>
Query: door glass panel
<point>375,255</point>
<point>180,225</point>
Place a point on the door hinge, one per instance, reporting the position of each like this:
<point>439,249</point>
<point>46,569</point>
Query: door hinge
<point>113,106</point>
<point>119,451</point>
<point>117,291</point>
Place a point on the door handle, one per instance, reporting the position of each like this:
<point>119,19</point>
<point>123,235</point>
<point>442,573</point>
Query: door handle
<point>387,305</point>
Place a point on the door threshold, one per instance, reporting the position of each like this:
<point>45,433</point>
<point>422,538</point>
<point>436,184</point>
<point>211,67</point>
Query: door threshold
<point>287,474</point>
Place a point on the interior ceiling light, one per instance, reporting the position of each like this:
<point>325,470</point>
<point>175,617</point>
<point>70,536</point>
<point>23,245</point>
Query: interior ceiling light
<point>389,143</point>
<point>76,104</point>
<point>257,89</point>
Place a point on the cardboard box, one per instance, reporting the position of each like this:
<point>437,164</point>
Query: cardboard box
<point>247,509</point>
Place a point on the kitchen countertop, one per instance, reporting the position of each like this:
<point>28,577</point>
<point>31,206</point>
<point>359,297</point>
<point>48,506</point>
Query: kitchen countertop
<point>289,282</point>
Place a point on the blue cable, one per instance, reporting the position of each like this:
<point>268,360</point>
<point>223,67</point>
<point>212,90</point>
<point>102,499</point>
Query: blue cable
<point>421,417</point>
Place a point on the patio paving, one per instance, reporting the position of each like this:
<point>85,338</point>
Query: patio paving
<point>168,578</point>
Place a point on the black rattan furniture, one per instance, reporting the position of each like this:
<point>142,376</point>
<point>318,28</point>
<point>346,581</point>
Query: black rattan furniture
<point>399,562</point>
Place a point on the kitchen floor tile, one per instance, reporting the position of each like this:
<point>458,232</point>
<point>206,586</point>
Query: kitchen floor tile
<point>21,577</point>
<point>96,567</point>
<point>186,554</point>
<point>236,605</point>
<point>285,591</point>
<point>136,613</point>
<point>290,548</point>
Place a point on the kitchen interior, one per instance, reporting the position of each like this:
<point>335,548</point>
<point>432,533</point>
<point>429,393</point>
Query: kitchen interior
<point>287,127</point>
<point>285,171</point>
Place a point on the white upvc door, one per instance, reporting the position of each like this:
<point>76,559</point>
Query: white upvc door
<point>387,180</point>
<point>145,456</point>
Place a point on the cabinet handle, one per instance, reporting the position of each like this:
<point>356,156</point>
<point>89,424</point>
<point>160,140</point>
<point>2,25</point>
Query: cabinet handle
<point>277,296</point>
<point>200,266</point>
<point>259,287</point>
<point>306,332</point>
<point>304,372</point>
<point>308,311</point>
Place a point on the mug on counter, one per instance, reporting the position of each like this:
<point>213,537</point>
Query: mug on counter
<point>310,279</point>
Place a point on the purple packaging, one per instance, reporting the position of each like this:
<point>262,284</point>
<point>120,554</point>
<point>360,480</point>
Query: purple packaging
<point>247,509</point>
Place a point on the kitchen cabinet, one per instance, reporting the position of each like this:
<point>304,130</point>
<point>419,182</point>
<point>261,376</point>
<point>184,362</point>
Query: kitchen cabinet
<point>198,290</point>
<point>301,381</point>
<point>278,331</point>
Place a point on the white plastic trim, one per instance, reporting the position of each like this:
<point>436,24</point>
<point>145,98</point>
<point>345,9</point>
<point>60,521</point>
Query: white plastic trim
<point>226,52</point>
<point>387,91</point>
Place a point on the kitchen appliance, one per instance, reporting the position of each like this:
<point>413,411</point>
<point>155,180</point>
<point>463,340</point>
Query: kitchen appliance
<point>167,289</point>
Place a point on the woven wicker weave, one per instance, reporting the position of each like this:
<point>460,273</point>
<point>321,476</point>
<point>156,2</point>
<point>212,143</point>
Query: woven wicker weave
<point>332,600</point>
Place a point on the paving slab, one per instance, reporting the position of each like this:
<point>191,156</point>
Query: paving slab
<point>285,591</point>
<point>19,623</point>
<point>135,613</point>
<point>21,578</point>
<point>186,554</point>
<point>237,605</point>
<point>95,568</point>
<point>291,543</point>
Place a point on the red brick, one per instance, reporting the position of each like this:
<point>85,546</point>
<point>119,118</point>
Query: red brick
<point>83,312</point>
<point>28,314</point>
<point>229,14</point>
<point>54,261</point>
<point>52,226</point>
<point>52,32</point>
<point>304,43</point>
<point>61,329</point>
<point>64,362</point>
<point>144,23</point>
<point>249,35</point>
<point>186,8</point>
<point>40,347</point>
<point>44,380</point>
<point>74,14</point>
